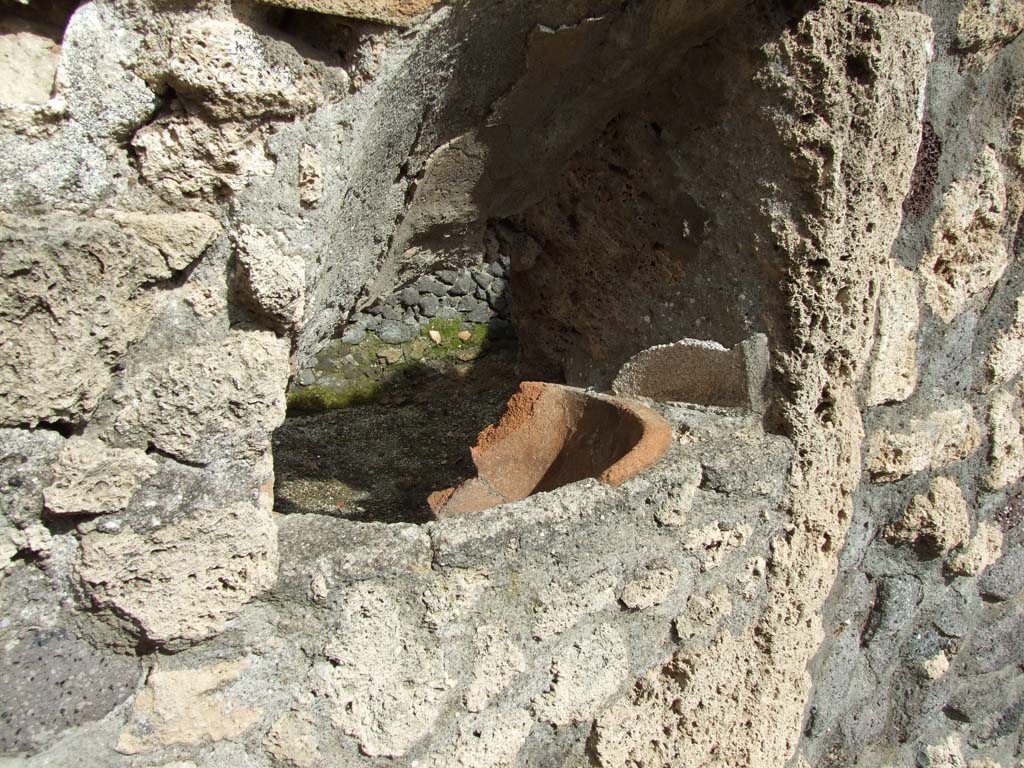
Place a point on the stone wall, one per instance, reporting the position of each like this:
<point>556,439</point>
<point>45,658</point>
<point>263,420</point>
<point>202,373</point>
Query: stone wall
<point>199,196</point>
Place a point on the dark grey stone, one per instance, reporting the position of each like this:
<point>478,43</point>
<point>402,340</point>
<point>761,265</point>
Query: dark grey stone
<point>448,313</point>
<point>447,276</point>
<point>481,314</point>
<point>26,459</point>
<point>496,269</point>
<point>428,284</point>
<point>392,312</point>
<point>395,332</point>
<point>408,296</point>
<point>467,304</point>
<point>483,279</point>
<point>463,285</point>
<point>429,305</point>
<point>1004,580</point>
<point>52,680</point>
<point>353,335</point>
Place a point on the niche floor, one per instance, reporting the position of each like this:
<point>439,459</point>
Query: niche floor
<point>379,460</point>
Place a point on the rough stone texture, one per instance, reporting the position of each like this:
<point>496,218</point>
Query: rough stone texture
<point>94,479</point>
<point>182,156</point>
<point>271,281</point>
<point>931,443</point>
<point>638,173</point>
<point>968,252</point>
<point>77,292</point>
<point>180,583</point>
<point>28,62</point>
<point>699,372</point>
<point>231,390</point>
<point>1006,454</point>
<point>400,12</point>
<point>186,707</point>
<point>936,522</point>
<point>385,680</point>
<point>893,373</point>
<point>231,72</point>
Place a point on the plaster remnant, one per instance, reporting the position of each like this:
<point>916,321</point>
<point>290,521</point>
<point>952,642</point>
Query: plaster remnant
<point>1006,454</point>
<point>893,372</point>
<point>650,587</point>
<point>180,583</point>
<point>930,443</point>
<point>187,707</point>
<point>584,676</point>
<point>384,676</point>
<point>499,661</point>
<point>968,253</point>
<point>272,281</point>
<point>985,548</point>
<point>92,478</point>
<point>937,522</point>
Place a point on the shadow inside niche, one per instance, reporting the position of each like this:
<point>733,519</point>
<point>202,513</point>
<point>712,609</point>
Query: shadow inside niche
<point>379,460</point>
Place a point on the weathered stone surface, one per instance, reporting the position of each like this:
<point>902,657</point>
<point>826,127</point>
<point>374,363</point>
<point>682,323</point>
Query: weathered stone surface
<point>499,662</point>
<point>937,522</point>
<point>182,582</point>
<point>490,740</point>
<point>74,297</point>
<point>893,373</point>
<point>209,399</point>
<point>272,281</point>
<point>311,175</point>
<point>650,587</point>
<point>292,739</point>
<point>1006,356</point>
<point>931,443</point>
<point>702,372</point>
<point>968,253</point>
<point>96,48</point>
<point>1006,454</point>
<point>54,680</point>
<point>983,25</point>
<point>92,478</point>
<point>561,608</point>
<point>28,62</point>
<point>383,677</point>
<point>583,677</point>
<point>180,236</point>
<point>985,548</point>
<point>26,461</point>
<point>182,156</point>
<point>399,12</point>
<point>231,72</point>
<point>187,707</point>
